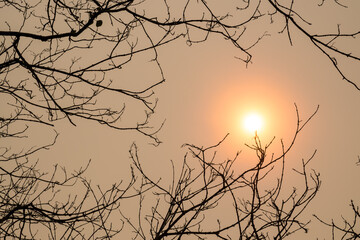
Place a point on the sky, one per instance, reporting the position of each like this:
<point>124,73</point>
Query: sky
<point>207,93</point>
<point>221,88</point>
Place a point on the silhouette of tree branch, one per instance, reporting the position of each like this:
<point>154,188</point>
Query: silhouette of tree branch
<point>35,204</point>
<point>203,186</point>
<point>325,42</point>
<point>65,59</point>
<point>349,229</point>
<point>49,49</point>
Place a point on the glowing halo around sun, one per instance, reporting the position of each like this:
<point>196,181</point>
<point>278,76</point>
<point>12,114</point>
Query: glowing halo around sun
<point>253,123</point>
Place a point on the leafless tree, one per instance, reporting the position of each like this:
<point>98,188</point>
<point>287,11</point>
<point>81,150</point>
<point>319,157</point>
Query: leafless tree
<point>194,205</point>
<point>328,43</point>
<point>60,59</point>
<point>348,228</point>
<point>64,59</point>
<point>38,205</point>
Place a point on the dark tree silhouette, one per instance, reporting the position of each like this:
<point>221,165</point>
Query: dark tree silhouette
<point>64,59</point>
<point>195,202</point>
<point>58,58</point>
<point>347,229</point>
<point>34,204</point>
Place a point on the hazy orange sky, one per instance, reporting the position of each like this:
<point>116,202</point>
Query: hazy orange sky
<point>212,88</point>
<point>208,90</point>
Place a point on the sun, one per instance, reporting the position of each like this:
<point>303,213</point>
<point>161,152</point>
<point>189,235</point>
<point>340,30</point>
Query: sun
<point>253,122</point>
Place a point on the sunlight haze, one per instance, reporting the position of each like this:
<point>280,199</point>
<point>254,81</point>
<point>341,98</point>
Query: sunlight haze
<point>253,122</point>
<point>195,90</point>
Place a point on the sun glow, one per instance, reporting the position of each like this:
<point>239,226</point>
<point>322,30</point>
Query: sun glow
<point>253,122</point>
